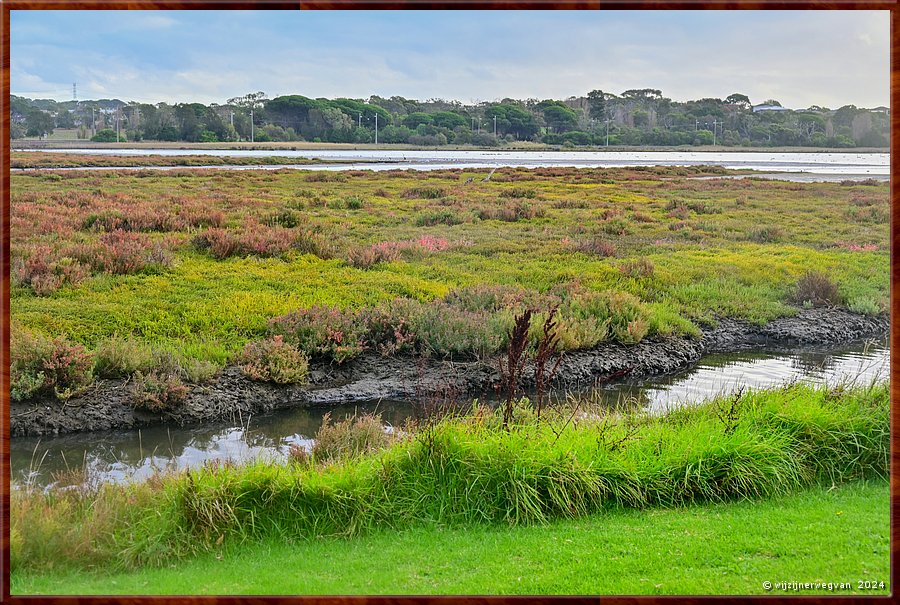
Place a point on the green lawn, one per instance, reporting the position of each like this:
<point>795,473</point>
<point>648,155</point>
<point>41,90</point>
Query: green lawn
<point>820,535</point>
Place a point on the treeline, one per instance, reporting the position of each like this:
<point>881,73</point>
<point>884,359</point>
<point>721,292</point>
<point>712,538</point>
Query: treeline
<point>635,117</point>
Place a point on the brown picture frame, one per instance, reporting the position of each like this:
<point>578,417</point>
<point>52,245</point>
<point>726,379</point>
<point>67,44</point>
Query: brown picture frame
<point>9,5</point>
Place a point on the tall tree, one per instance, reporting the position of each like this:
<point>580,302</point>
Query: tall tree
<point>597,104</point>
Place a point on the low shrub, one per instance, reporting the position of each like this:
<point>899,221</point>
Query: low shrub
<point>519,192</point>
<point>365,257</point>
<point>569,204</point>
<point>869,214</point>
<point>45,272</point>
<point>118,357</point>
<point>326,177</point>
<point>766,235</point>
<point>450,332</point>
<point>854,247</point>
<point>816,288</point>
<point>286,217</point>
<point>261,241</point>
<point>704,208</point>
<point>135,217</point>
<point>587,318</point>
<point>424,193</point>
<point>123,252</point>
<point>484,297</point>
<point>354,202</point>
<point>596,246</point>
<point>324,332</point>
<point>195,215</point>
<point>510,213</point>
<point>198,371</point>
<point>389,326</point>
<point>679,212</point>
<point>158,391</point>
<point>866,305</point>
<point>642,217</point>
<point>42,365</point>
<point>444,216</point>
<point>615,226</point>
<point>273,360</point>
<point>351,437</point>
<point>641,268</point>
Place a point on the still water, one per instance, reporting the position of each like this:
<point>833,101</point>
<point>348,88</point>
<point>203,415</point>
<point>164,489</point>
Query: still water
<point>129,455</point>
<point>836,164</point>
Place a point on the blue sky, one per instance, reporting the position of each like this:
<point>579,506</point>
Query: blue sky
<point>800,58</point>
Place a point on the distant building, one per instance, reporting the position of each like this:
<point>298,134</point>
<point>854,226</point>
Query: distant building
<point>757,108</point>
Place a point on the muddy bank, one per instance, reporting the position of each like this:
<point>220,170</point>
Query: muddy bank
<point>369,377</point>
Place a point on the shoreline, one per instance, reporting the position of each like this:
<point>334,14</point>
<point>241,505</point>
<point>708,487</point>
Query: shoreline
<point>370,377</point>
<point>63,145</point>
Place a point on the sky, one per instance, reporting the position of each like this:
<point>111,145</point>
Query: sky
<point>800,58</point>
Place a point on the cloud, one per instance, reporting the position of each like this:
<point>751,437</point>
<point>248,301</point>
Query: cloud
<point>799,57</point>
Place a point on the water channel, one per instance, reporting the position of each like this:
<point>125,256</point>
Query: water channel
<point>130,455</point>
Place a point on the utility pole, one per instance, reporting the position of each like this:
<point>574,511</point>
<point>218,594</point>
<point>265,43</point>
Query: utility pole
<point>359,124</point>
<point>715,122</point>
<point>376,128</point>
<point>495,125</point>
<point>93,128</point>
<point>251,123</point>
<point>117,123</point>
<point>607,131</point>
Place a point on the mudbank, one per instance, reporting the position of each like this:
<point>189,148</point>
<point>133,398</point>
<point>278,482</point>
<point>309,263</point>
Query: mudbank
<point>231,395</point>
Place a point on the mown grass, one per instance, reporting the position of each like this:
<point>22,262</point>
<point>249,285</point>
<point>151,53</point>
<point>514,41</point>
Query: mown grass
<point>467,471</point>
<point>835,534</point>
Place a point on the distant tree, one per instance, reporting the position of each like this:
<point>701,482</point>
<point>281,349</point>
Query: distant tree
<point>810,123</point>
<point>108,135</point>
<point>64,119</point>
<point>484,139</point>
<point>292,110</point>
<point>560,117</point>
<point>643,94</point>
<point>597,104</point>
<point>249,103</point>
<point>640,118</point>
<point>512,119</point>
<point>38,123</point>
<point>738,99</point>
<point>167,133</point>
<point>354,109</point>
<point>413,120</point>
<point>16,130</point>
<point>448,119</point>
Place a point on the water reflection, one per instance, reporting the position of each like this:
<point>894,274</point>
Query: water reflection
<point>128,455</point>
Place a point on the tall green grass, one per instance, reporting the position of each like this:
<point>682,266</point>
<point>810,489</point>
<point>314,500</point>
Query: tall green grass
<point>467,469</point>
